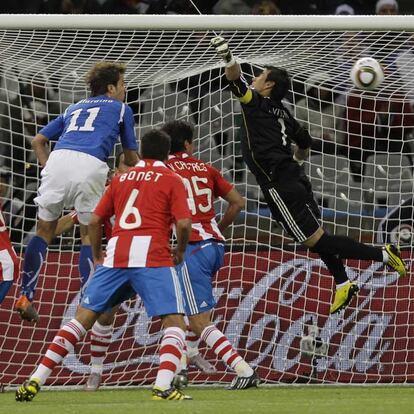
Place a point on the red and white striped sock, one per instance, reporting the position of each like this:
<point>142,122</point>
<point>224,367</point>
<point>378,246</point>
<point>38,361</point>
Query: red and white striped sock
<point>172,345</point>
<point>192,341</point>
<point>101,336</point>
<point>63,343</point>
<point>184,359</point>
<point>223,349</point>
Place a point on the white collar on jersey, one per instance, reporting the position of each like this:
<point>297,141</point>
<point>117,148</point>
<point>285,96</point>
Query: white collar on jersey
<point>142,163</point>
<point>182,154</point>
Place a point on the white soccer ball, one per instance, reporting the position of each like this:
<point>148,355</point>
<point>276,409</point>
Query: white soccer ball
<point>367,74</point>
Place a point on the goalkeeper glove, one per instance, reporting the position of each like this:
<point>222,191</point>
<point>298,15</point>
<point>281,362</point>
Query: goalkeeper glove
<point>222,49</point>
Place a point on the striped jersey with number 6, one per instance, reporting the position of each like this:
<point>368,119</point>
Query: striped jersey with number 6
<point>146,201</point>
<point>203,184</point>
<point>9,263</point>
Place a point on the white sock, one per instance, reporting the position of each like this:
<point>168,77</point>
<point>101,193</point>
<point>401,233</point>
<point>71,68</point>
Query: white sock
<point>243,369</point>
<point>385,256</point>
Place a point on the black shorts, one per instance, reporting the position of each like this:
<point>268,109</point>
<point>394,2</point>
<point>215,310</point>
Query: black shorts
<point>290,199</point>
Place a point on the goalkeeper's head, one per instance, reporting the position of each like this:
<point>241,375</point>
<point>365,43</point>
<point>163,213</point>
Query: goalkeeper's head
<point>272,82</point>
<point>181,133</point>
<point>155,145</point>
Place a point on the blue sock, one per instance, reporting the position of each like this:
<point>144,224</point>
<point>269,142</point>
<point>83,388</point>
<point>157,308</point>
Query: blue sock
<point>85,264</point>
<point>33,260</point>
<point>4,288</point>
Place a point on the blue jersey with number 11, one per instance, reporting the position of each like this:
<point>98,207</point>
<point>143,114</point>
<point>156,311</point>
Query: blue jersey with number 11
<point>92,126</point>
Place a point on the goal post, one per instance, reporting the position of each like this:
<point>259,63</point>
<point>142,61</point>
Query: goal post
<point>270,291</point>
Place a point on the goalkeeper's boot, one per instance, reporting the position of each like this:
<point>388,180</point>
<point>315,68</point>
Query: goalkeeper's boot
<point>28,390</point>
<point>394,260</point>
<point>180,380</point>
<point>26,309</point>
<point>93,382</point>
<point>202,364</point>
<point>242,383</point>
<point>170,394</point>
<point>343,296</point>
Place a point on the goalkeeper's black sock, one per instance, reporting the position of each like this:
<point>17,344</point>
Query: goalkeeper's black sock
<point>335,266</point>
<point>347,248</point>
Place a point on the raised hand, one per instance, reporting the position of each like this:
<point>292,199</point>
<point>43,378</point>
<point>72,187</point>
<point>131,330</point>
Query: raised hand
<point>222,48</point>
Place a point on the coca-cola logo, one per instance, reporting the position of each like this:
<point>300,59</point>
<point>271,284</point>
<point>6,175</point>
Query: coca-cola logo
<point>265,314</point>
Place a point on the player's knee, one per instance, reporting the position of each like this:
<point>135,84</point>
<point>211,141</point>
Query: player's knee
<point>84,234</point>
<point>106,319</point>
<point>174,321</point>
<point>86,317</point>
<point>199,322</point>
<point>313,240</point>
<point>46,230</point>
<point>322,245</point>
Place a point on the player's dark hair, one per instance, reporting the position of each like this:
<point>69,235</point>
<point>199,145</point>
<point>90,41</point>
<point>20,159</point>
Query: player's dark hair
<point>103,74</point>
<point>281,79</point>
<point>179,132</point>
<point>155,145</point>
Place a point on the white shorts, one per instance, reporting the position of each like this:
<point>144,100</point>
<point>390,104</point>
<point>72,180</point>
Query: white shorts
<point>9,265</point>
<point>70,179</point>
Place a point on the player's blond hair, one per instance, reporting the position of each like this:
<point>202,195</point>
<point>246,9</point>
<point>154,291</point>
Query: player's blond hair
<point>103,74</point>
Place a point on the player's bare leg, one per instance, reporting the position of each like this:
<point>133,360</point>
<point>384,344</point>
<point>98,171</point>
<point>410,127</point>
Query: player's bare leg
<point>172,344</point>
<point>101,335</point>
<point>202,326</point>
<point>63,343</point>
<point>33,260</point>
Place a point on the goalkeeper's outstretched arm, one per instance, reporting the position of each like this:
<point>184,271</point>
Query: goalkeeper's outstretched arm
<point>221,46</point>
<point>237,83</point>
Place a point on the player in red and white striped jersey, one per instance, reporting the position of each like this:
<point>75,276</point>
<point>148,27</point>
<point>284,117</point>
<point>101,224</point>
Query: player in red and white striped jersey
<point>204,184</point>
<point>9,262</point>
<point>146,201</point>
<point>205,252</point>
<point>101,332</point>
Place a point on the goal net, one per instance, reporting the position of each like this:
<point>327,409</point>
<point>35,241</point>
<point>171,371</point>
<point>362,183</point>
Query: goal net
<point>270,290</point>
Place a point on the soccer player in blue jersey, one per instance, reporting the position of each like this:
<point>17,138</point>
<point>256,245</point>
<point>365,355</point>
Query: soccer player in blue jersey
<point>75,172</point>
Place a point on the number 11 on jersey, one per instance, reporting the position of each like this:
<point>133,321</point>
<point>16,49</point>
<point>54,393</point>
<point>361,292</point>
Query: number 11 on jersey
<point>88,125</point>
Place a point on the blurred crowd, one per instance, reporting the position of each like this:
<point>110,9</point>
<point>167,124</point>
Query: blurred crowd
<point>259,7</point>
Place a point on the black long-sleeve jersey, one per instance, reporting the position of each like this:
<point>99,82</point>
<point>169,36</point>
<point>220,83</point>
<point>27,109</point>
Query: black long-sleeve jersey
<point>266,133</point>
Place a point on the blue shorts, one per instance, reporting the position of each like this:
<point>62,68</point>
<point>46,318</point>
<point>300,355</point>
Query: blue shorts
<point>158,287</point>
<point>201,262</point>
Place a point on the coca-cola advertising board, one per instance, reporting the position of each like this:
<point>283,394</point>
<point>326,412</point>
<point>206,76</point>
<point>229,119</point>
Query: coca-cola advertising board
<point>265,300</point>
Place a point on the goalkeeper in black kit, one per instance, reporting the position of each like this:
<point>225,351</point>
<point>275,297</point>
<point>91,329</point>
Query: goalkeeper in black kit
<point>268,132</point>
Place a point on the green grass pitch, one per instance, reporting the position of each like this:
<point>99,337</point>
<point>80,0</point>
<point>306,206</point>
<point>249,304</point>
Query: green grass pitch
<point>280,400</point>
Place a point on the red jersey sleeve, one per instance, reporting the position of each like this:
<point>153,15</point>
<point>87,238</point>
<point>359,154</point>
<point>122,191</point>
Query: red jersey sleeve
<point>179,200</point>
<point>221,185</point>
<point>105,207</point>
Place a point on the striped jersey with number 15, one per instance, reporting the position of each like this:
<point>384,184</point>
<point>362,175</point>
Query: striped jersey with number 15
<point>203,184</point>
